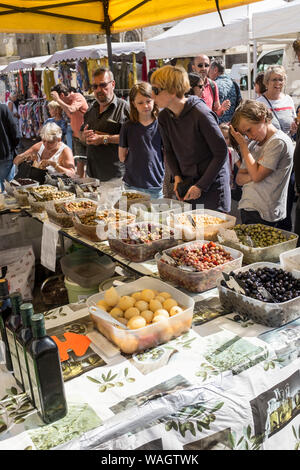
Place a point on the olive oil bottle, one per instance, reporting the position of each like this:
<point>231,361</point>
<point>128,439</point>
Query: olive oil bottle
<point>45,372</point>
<point>5,311</point>
<point>23,338</point>
<point>13,323</point>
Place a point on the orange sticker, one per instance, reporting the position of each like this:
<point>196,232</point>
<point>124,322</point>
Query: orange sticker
<point>75,342</point>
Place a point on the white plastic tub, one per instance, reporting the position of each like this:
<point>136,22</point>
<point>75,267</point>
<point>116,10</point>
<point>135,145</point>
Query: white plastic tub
<point>206,227</point>
<point>290,260</point>
<point>197,281</point>
<point>132,341</point>
<point>159,210</point>
<point>265,313</point>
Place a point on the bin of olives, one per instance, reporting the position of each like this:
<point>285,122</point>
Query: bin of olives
<point>158,210</point>
<point>151,311</point>
<point>139,242</point>
<point>95,226</point>
<point>259,242</point>
<point>200,224</point>
<point>38,204</point>
<point>61,213</point>
<point>21,193</point>
<point>197,265</point>
<point>272,295</point>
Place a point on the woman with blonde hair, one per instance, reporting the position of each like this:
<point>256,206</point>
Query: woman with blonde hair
<point>50,153</point>
<point>266,167</point>
<point>140,146</point>
<point>56,116</point>
<point>195,149</point>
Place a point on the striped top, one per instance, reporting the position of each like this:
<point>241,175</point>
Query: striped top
<point>284,114</point>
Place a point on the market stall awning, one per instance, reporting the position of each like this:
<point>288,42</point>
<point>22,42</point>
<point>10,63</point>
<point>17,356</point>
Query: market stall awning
<point>203,33</point>
<point>96,51</point>
<point>279,18</point>
<point>26,64</point>
<point>100,16</point>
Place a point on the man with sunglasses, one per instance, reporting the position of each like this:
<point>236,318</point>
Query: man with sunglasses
<point>101,128</point>
<point>210,95</point>
<point>75,106</point>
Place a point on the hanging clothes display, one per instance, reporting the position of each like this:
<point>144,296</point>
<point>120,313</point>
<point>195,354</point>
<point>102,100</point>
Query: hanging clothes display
<point>33,114</point>
<point>48,81</point>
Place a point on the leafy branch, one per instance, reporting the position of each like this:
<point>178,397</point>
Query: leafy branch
<point>112,380</point>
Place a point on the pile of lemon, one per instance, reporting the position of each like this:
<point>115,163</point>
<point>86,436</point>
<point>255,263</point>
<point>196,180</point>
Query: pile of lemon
<point>140,308</point>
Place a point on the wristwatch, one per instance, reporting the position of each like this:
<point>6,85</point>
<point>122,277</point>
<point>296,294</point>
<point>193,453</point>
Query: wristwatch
<point>105,140</point>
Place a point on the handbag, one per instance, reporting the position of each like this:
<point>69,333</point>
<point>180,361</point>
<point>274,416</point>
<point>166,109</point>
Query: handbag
<point>27,171</point>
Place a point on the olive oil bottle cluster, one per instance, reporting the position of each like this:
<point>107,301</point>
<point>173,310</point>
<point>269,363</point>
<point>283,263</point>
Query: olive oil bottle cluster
<point>32,355</point>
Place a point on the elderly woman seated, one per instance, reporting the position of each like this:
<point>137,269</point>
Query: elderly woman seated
<point>51,153</point>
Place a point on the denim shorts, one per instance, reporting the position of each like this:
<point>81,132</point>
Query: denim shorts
<point>155,193</point>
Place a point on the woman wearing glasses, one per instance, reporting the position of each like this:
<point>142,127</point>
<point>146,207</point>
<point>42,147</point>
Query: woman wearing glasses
<point>197,84</point>
<point>195,148</point>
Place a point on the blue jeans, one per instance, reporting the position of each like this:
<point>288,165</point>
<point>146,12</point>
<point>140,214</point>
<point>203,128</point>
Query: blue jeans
<point>7,171</point>
<point>155,193</point>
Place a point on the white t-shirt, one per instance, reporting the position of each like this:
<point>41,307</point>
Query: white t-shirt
<point>269,196</point>
<point>284,109</point>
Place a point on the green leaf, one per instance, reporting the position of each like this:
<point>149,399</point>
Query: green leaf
<point>119,384</point>
<point>217,407</point>
<point>102,388</point>
<point>108,375</point>
<point>14,391</point>
<point>240,441</point>
<point>126,372</point>
<point>294,432</point>
<point>266,366</point>
<point>199,426</point>
<point>231,440</point>
<point>130,380</point>
<point>204,425</point>
<point>248,431</point>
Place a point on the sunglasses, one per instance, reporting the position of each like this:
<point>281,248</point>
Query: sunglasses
<point>100,85</point>
<point>200,66</point>
<point>157,90</point>
<point>199,86</point>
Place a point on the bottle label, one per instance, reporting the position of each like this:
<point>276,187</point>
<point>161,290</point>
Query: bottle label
<point>14,355</point>
<point>24,368</point>
<point>34,383</point>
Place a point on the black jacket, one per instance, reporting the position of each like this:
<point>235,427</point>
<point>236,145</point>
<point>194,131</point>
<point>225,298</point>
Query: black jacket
<point>8,134</point>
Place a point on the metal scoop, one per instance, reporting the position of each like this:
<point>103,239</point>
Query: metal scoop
<point>108,318</point>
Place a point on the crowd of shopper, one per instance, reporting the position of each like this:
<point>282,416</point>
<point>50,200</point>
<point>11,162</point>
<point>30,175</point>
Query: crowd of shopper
<point>184,135</point>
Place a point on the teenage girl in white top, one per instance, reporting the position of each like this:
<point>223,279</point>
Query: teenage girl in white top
<point>51,153</point>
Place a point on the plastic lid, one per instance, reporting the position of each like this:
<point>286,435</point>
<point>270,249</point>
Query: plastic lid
<point>38,325</point>
<point>26,311</point>
<point>16,301</point>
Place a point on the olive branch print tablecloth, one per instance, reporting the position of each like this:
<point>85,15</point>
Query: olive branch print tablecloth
<point>225,384</point>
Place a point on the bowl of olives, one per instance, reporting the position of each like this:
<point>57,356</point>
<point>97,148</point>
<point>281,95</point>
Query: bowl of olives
<point>258,242</point>
<point>271,294</point>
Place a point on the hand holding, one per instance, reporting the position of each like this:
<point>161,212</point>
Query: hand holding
<point>193,193</point>
<point>225,105</point>
<point>239,138</point>
<point>54,95</point>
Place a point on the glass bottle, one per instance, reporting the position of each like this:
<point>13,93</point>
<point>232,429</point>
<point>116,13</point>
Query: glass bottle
<point>288,402</point>
<point>13,323</point>
<point>45,372</point>
<point>23,337</point>
<point>5,311</point>
<point>275,422</point>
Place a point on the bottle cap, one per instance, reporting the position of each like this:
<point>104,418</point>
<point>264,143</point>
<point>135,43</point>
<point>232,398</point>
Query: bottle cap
<point>16,301</point>
<point>38,325</point>
<point>26,311</point>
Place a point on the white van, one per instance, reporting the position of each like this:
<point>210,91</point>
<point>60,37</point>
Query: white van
<point>281,56</point>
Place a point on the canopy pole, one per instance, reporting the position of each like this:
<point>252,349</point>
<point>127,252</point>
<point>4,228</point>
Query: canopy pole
<point>107,25</point>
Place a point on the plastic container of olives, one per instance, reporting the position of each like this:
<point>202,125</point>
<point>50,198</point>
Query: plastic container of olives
<point>64,220</point>
<point>96,231</point>
<point>207,231</point>
<point>197,281</point>
<point>131,197</point>
<point>158,210</point>
<point>265,313</point>
<point>139,251</point>
<point>21,194</point>
<point>268,253</point>
<point>132,341</point>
